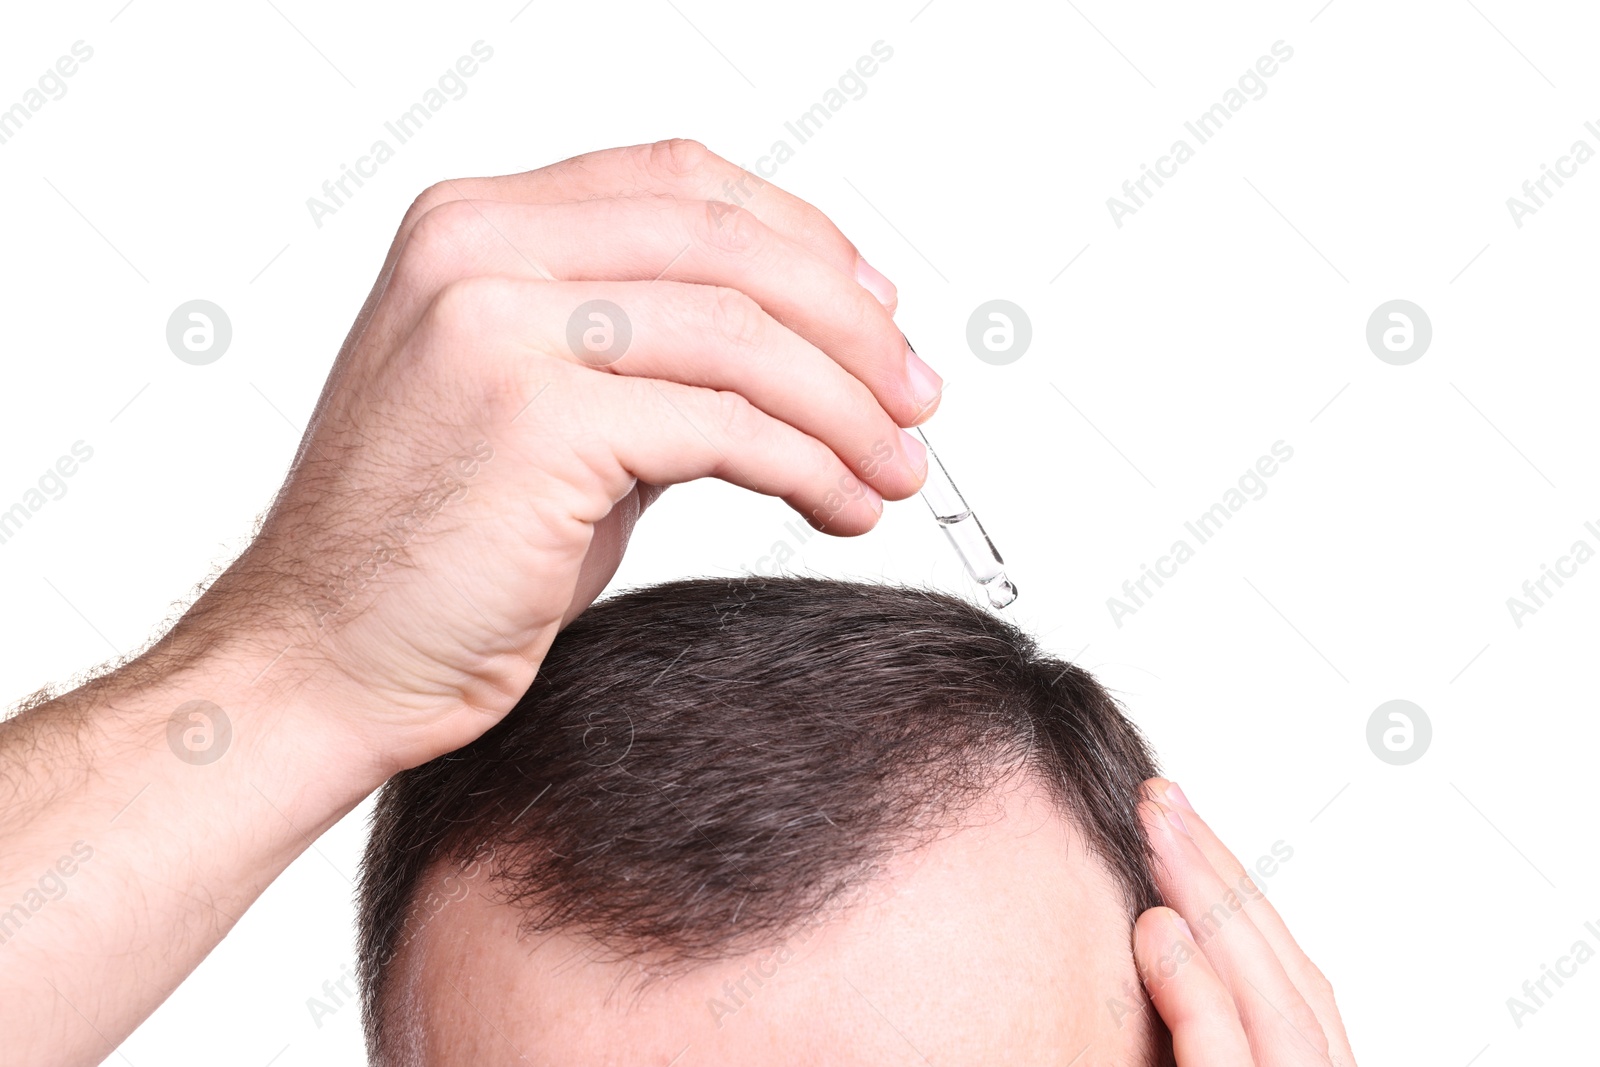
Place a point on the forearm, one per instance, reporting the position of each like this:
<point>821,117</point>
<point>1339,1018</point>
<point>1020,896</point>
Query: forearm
<point>130,846</point>
<point>439,523</point>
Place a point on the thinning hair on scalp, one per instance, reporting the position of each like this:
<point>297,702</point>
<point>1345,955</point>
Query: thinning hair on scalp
<point>702,766</point>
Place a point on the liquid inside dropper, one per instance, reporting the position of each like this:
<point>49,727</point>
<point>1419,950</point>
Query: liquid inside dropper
<point>965,532</point>
<point>1001,592</point>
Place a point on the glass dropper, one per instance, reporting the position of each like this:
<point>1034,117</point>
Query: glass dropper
<point>965,532</point>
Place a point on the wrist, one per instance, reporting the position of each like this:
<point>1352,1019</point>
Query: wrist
<point>182,784</point>
<point>239,721</point>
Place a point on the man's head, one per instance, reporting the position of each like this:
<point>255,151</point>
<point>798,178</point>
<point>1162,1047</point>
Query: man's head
<point>776,820</point>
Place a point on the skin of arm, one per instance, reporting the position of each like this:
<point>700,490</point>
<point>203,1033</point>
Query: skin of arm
<point>163,854</point>
<point>468,483</point>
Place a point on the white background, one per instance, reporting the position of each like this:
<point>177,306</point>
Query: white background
<point>1227,314</point>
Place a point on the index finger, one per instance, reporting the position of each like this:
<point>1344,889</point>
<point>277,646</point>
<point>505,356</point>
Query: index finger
<point>1305,975</point>
<point>678,168</point>
<point>1282,1027</point>
<point>1189,996</point>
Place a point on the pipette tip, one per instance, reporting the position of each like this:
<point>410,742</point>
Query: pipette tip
<point>1001,592</point>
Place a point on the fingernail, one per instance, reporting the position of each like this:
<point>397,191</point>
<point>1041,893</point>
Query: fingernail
<point>1175,817</point>
<point>1177,797</point>
<point>1177,920</point>
<point>915,451</point>
<point>875,283</point>
<point>925,384</point>
<point>875,499</point>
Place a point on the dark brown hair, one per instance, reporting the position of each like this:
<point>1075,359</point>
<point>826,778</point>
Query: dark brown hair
<point>703,765</point>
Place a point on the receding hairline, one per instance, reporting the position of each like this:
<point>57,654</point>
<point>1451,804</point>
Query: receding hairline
<point>957,700</point>
<point>473,870</point>
<point>422,980</point>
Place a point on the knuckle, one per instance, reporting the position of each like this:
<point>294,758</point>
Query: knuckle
<point>1320,986</point>
<point>822,230</point>
<point>736,417</point>
<point>678,157</point>
<point>431,197</point>
<point>439,238</point>
<point>453,359</point>
<point>1305,1022</point>
<point>447,311</point>
<point>737,319</point>
<point>467,304</point>
<point>858,314</point>
<point>729,229</point>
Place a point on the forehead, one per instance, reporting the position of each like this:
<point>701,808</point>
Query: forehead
<point>1003,940</point>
